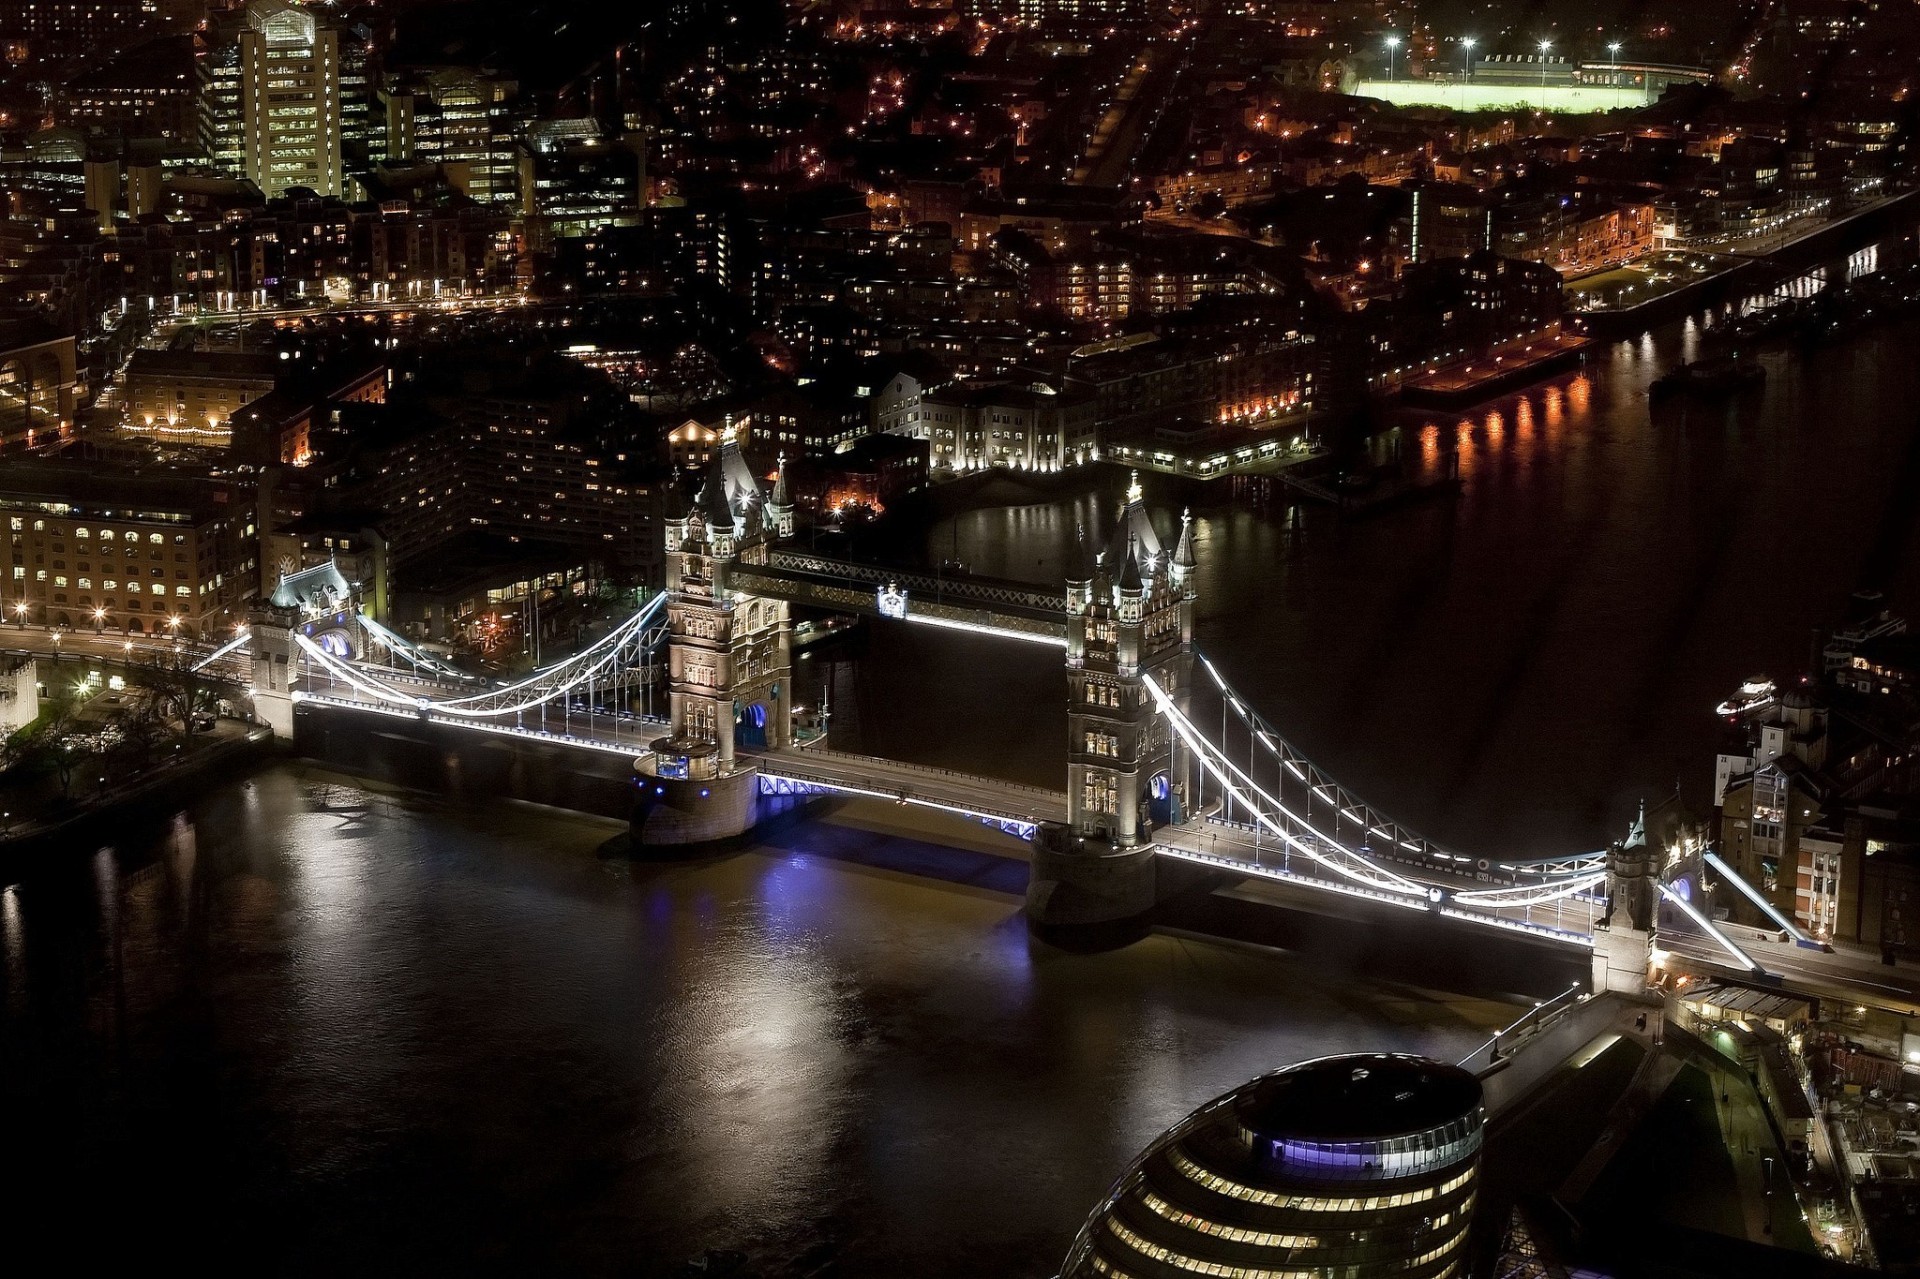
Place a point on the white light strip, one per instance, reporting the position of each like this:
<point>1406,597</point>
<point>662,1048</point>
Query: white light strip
<point>460,705</point>
<point>222,651</point>
<point>981,628</point>
<point>1205,751</point>
<point>1264,871</point>
<point>1530,894</point>
<point>503,730</point>
<point>1726,943</point>
<point>613,639</point>
<point>1581,940</point>
<point>898,798</point>
<point>1753,895</point>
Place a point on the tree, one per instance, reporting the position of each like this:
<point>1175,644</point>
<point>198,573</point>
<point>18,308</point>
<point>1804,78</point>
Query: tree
<point>53,743</point>
<point>179,692</point>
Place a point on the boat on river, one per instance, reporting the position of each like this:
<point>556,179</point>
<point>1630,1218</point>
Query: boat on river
<point>1709,379</point>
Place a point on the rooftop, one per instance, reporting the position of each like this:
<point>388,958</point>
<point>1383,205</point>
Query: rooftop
<point>1362,1097</point>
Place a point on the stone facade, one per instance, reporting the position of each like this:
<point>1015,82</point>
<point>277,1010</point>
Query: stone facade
<point>1129,617</point>
<point>729,659</point>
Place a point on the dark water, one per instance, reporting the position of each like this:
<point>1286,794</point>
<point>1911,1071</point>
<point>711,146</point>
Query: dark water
<point>1511,669</point>
<point>302,1031</point>
<point>307,1030</point>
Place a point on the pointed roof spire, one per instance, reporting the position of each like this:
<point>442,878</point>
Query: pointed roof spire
<point>1183,551</point>
<point>712,498</point>
<point>1637,833</point>
<point>1130,572</point>
<point>780,497</point>
<point>676,497</point>
<point>1080,565</point>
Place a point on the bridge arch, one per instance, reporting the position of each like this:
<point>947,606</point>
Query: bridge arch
<point>750,721</point>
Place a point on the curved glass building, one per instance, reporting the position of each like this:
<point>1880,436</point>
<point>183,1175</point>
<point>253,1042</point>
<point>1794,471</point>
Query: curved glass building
<point>1356,1166</point>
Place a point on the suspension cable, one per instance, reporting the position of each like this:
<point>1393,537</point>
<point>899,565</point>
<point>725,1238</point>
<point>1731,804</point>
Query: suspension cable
<point>1373,876</point>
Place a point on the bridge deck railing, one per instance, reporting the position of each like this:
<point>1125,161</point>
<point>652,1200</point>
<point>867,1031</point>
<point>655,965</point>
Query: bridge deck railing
<point>966,589</point>
<point>825,759</point>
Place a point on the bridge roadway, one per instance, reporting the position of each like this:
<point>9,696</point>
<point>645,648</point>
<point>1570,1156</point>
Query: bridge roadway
<point>113,648</point>
<point>1845,975</point>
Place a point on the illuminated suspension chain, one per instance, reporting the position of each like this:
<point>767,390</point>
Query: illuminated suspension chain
<point>1365,872</point>
<point>1344,801</point>
<point>541,687</point>
<point>1532,894</point>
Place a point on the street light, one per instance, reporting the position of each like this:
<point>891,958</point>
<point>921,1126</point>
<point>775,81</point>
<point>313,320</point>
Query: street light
<point>1393,42</point>
<point>1613,68</point>
<point>1467,43</point>
<point>20,611</point>
<point>1544,44</point>
<point>99,620</point>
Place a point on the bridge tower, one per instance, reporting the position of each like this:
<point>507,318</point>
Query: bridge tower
<point>1129,616</point>
<point>276,665</point>
<point>729,662</point>
<point>1623,940</point>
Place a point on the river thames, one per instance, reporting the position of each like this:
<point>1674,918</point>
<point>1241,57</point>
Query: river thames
<point>305,1026</point>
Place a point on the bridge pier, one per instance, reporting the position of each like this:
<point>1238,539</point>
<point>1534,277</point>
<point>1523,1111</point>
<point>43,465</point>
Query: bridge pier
<point>275,667</point>
<point>1077,883</point>
<point>671,812</point>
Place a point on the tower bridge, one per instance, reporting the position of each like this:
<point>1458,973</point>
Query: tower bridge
<point>1146,787</point>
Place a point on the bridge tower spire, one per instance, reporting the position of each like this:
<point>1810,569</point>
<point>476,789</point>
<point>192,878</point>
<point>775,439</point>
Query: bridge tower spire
<point>1129,616</point>
<point>729,664</point>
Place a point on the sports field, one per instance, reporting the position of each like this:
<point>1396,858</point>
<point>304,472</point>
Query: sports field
<point>1465,96</point>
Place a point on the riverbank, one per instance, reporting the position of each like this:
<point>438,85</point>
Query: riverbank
<point>162,788</point>
<point>1742,273</point>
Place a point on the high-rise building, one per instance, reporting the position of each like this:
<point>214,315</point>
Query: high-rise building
<point>466,120</point>
<point>281,96</point>
<point>1357,1166</point>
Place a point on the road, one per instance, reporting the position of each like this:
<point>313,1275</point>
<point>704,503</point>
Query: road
<point>1847,975</point>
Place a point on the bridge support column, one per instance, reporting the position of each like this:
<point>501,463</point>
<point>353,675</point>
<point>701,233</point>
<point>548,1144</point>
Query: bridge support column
<point>1620,958</point>
<point>276,666</point>
<point>1079,882</point>
<point>1129,617</point>
<point>675,812</point>
<point>729,657</point>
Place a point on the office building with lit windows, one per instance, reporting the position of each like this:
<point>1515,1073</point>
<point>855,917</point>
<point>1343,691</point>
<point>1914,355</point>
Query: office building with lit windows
<point>125,551</point>
<point>1357,1166</point>
<point>281,97</point>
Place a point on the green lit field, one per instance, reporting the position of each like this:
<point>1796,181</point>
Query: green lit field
<point>1502,97</point>
<point>1653,276</point>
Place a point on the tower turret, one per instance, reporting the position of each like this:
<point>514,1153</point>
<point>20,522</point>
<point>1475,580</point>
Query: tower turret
<point>1081,572</point>
<point>780,505</point>
<point>1183,562</point>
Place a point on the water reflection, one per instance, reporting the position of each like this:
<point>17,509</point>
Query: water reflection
<point>405,1035</point>
<point>1512,669</point>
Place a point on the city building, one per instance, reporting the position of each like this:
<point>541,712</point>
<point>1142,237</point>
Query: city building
<point>463,119</point>
<point>37,380</point>
<point>123,549</point>
<point>59,30</point>
<point>1818,790</point>
<point>281,95</point>
<point>1357,1166</point>
<point>190,397</point>
<point>149,91</point>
